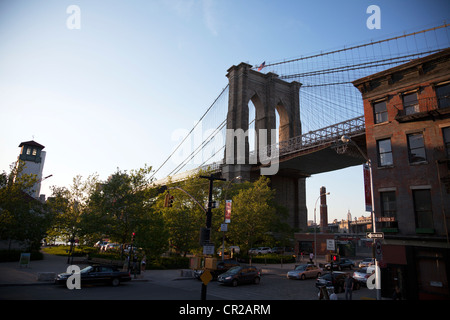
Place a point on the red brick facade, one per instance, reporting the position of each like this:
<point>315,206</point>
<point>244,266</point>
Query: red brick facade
<point>407,116</point>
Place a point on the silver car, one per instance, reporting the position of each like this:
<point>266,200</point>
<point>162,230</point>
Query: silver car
<point>367,262</point>
<point>304,271</point>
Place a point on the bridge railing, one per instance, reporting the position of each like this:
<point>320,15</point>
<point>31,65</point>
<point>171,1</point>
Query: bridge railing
<point>312,139</point>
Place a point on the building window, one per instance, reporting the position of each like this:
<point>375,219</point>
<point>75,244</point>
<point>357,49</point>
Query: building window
<point>410,103</point>
<point>388,209</point>
<point>416,148</point>
<point>28,151</point>
<point>34,151</point>
<point>443,95</point>
<point>422,208</point>
<point>384,153</point>
<point>380,112</point>
<point>446,136</point>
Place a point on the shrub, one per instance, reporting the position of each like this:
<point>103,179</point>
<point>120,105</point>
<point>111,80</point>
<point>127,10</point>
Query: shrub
<point>168,263</point>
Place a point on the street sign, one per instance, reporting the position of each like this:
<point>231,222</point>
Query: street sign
<point>208,249</point>
<point>375,235</point>
<point>330,244</point>
<point>223,227</point>
<point>206,277</point>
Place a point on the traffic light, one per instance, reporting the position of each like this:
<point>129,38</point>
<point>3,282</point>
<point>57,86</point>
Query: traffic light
<point>205,235</point>
<point>133,235</point>
<point>334,257</point>
<point>168,201</point>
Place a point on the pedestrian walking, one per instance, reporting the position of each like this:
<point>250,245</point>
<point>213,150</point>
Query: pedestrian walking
<point>311,256</point>
<point>143,262</point>
<point>348,285</point>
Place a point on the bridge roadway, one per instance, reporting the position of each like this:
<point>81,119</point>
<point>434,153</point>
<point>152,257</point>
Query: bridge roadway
<point>320,159</point>
<point>310,153</point>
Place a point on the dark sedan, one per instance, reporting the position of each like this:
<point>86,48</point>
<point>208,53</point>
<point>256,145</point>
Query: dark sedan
<point>335,280</point>
<point>222,267</point>
<point>241,274</point>
<point>341,264</point>
<point>97,274</point>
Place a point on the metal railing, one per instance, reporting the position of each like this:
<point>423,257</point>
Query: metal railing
<point>320,137</point>
<point>312,139</point>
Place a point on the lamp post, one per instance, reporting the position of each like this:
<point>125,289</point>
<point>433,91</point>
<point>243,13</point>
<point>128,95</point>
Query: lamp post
<point>315,227</point>
<point>345,139</point>
<point>225,211</point>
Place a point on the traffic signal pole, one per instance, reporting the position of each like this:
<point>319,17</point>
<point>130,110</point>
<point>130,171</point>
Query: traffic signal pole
<point>211,179</point>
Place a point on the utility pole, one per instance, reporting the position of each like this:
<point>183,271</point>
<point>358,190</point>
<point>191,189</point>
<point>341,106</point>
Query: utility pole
<point>211,179</point>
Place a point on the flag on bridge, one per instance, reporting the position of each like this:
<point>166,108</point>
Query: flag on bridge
<point>262,66</point>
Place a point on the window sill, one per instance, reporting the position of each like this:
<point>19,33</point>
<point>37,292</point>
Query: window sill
<point>386,167</point>
<point>418,163</point>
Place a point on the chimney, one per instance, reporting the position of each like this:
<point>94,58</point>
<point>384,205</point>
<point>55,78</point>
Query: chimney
<point>323,210</point>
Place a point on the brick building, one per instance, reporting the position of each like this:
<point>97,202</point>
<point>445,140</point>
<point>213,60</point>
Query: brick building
<point>407,115</point>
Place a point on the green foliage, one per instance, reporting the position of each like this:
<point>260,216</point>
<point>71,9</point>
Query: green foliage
<point>22,217</point>
<point>161,263</point>
<point>253,214</point>
<point>91,210</point>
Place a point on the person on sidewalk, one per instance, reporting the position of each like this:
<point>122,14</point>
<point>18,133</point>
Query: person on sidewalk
<point>348,285</point>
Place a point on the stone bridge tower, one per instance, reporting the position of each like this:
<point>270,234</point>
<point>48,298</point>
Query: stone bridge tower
<point>269,94</point>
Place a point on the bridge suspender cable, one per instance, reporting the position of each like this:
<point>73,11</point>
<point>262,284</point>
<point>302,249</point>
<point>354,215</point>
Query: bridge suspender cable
<point>358,46</point>
<point>190,132</point>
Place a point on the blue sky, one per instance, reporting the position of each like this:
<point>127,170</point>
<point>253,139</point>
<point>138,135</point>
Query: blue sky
<point>110,94</point>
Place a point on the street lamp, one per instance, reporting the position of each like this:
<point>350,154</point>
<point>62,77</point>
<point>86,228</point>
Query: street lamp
<point>315,227</point>
<point>345,139</point>
<point>225,211</point>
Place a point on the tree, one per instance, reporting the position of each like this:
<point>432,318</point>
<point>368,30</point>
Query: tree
<point>69,206</point>
<point>22,218</point>
<point>253,214</point>
<point>122,205</point>
<point>186,217</point>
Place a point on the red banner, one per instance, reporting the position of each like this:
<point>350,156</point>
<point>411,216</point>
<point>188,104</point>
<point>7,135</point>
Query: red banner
<point>367,188</point>
<point>227,211</point>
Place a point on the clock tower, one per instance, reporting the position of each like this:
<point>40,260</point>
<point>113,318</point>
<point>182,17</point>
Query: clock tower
<point>31,153</point>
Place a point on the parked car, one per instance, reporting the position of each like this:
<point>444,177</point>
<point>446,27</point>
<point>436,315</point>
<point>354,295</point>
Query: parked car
<point>252,250</point>
<point>278,250</point>
<point>332,279</point>
<point>97,274</point>
<point>341,264</point>
<point>366,262</point>
<point>222,267</point>
<point>263,250</point>
<point>361,275</point>
<point>240,274</point>
<point>304,271</point>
